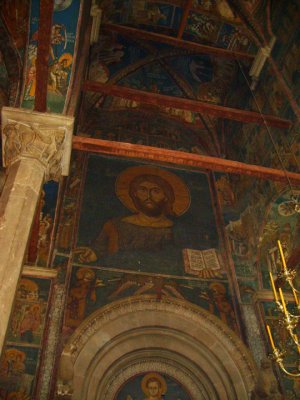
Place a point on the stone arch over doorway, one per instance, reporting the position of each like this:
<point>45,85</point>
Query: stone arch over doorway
<point>170,336</point>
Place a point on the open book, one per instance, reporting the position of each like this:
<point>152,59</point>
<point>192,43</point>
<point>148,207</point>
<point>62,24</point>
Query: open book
<point>203,263</point>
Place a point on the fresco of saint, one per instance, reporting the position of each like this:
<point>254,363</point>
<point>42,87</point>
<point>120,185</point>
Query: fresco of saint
<point>154,386</point>
<point>153,195</point>
<point>83,290</point>
<point>17,368</point>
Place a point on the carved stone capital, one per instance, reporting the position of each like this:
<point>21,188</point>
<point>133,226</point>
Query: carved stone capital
<point>41,136</point>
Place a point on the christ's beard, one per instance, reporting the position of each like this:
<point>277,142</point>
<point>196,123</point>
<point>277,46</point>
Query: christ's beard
<point>149,207</point>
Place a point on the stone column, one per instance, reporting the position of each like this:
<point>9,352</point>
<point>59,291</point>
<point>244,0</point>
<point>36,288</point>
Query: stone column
<point>36,148</point>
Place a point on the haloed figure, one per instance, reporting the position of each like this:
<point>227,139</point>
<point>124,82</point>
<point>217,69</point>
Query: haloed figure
<point>154,390</point>
<point>153,195</point>
<point>154,386</point>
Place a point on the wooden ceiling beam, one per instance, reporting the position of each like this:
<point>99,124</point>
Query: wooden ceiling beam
<point>43,50</point>
<point>160,100</point>
<point>177,42</point>
<point>186,11</point>
<point>181,158</point>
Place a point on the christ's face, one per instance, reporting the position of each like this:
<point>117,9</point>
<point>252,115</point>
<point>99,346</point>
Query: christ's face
<point>150,198</point>
<point>153,389</point>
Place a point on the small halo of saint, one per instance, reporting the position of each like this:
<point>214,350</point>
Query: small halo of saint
<point>154,386</point>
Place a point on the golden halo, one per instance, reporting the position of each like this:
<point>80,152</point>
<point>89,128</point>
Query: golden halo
<point>12,354</point>
<point>66,56</point>
<point>181,192</point>
<point>29,285</point>
<point>157,377</point>
<point>219,287</point>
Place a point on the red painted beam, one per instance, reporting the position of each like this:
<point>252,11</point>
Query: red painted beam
<point>185,15</point>
<point>181,158</point>
<point>173,41</point>
<point>160,100</point>
<point>44,42</point>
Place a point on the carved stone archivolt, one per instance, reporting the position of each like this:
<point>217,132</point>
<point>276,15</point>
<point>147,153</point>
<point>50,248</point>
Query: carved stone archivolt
<point>170,336</point>
<point>44,137</point>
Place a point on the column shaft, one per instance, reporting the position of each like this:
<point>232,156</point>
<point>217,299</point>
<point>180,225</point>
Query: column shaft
<point>36,148</point>
<point>18,204</point>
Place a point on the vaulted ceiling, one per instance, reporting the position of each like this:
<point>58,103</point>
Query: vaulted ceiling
<point>169,74</point>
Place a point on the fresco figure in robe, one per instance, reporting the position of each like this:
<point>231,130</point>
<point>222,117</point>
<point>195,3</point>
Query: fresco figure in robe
<point>154,386</point>
<point>15,379</point>
<point>31,80</point>
<point>84,289</point>
<point>154,196</point>
<point>12,363</point>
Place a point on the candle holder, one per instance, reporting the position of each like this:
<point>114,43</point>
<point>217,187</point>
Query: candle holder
<point>288,321</point>
<point>278,357</point>
<point>288,275</point>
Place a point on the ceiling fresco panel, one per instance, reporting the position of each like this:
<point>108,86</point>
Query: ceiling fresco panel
<point>63,38</point>
<point>152,78</point>
<point>142,12</point>
<point>123,121</point>
<point>160,69</point>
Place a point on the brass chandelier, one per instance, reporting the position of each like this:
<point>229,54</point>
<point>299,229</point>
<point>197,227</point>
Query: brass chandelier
<point>288,320</point>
